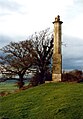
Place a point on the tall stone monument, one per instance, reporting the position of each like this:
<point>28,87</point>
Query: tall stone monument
<point>57,55</point>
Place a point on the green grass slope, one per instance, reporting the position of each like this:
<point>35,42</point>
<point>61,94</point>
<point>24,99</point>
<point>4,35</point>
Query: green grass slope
<point>48,101</point>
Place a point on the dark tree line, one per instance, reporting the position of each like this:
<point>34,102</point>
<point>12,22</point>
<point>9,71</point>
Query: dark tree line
<point>34,52</point>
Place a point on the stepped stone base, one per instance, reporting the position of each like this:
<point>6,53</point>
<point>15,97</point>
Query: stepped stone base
<point>56,77</point>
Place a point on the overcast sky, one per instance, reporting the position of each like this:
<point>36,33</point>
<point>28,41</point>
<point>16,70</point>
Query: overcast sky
<point>21,18</point>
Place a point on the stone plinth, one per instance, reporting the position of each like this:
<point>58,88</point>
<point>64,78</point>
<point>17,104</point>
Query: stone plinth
<point>56,77</point>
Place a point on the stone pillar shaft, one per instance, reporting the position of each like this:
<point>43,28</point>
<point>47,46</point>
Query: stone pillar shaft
<point>57,54</point>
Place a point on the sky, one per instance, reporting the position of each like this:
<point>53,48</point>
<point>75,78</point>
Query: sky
<point>21,18</point>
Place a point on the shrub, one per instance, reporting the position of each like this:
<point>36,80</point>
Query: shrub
<point>39,79</point>
<point>72,76</point>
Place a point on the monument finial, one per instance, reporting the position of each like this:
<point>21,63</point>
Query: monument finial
<point>57,18</point>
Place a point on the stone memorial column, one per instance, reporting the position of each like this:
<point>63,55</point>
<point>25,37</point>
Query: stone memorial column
<point>57,54</point>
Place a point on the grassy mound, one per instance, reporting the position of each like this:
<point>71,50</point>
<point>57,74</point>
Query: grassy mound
<point>48,101</point>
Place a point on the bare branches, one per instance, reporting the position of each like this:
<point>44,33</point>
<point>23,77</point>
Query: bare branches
<point>18,57</point>
<point>43,45</point>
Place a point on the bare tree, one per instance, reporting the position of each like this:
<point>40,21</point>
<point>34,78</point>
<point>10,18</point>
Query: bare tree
<point>43,45</point>
<point>17,58</point>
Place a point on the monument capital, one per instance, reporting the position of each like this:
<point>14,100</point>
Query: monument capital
<point>57,19</point>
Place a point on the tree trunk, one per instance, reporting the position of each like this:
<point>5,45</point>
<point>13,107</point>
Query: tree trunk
<point>21,82</point>
<point>42,80</point>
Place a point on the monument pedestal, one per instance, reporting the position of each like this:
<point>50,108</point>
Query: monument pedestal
<point>56,77</point>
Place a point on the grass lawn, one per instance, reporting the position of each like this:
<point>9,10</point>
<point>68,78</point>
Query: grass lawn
<point>9,87</point>
<point>48,101</point>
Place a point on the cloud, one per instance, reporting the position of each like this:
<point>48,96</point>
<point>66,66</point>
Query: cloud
<point>74,46</point>
<point>7,7</point>
<point>73,63</point>
<point>74,28</point>
<point>72,19</point>
<point>73,53</point>
<point>4,40</point>
<point>38,15</point>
